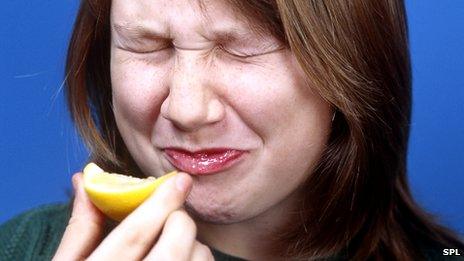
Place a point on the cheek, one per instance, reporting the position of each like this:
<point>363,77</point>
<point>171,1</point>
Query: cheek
<point>274,98</point>
<point>137,96</point>
<point>290,117</point>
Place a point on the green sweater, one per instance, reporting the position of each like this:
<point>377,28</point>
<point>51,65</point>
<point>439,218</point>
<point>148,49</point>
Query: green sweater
<point>36,234</point>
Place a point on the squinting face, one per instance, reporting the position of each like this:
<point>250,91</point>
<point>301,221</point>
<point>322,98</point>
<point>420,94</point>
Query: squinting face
<point>178,81</point>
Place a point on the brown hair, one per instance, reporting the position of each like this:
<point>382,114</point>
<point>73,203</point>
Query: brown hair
<point>355,52</point>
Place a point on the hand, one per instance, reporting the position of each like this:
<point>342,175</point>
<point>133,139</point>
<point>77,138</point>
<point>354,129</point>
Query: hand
<point>159,229</point>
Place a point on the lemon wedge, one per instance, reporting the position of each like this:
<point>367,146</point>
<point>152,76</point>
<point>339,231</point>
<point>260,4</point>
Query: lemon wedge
<point>118,195</point>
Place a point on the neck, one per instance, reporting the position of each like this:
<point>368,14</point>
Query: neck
<point>248,239</point>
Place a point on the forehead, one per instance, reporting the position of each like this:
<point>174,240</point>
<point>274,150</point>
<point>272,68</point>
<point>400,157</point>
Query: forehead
<point>179,17</point>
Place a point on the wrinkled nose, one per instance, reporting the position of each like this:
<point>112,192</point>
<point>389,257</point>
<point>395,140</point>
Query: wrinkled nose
<point>192,102</point>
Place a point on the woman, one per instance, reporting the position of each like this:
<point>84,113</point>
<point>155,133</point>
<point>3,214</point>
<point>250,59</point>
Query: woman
<point>290,120</point>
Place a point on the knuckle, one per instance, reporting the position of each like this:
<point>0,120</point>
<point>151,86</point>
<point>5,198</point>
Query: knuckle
<point>183,221</point>
<point>134,238</point>
<point>169,201</point>
<point>202,252</point>
<point>168,196</point>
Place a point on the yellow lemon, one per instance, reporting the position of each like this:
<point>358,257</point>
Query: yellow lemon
<point>118,195</point>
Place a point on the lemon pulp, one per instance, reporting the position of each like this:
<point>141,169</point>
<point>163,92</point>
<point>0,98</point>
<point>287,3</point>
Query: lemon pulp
<point>117,195</point>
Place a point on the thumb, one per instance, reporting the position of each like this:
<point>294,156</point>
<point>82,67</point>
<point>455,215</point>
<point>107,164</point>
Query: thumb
<point>85,226</point>
<point>82,205</point>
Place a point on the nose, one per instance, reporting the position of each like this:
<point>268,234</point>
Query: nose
<point>192,102</point>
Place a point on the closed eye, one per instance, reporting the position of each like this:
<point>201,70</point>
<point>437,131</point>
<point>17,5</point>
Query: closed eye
<point>244,55</point>
<point>144,50</point>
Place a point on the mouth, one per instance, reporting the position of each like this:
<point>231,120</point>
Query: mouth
<point>203,162</point>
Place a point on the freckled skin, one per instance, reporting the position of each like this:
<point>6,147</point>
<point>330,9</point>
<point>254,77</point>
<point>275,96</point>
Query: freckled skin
<point>194,94</point>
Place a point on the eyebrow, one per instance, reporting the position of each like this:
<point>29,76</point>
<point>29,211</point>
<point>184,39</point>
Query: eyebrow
<point>138,31</point>
<point>219,35</point>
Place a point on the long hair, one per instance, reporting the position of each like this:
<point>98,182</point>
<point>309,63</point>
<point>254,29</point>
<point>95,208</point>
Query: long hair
<point>357,201</point>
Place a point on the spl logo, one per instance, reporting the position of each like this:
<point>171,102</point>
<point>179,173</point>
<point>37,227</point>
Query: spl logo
<point>451,252</point>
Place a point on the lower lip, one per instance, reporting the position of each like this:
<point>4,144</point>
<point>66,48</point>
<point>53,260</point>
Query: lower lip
<point>203,163</point>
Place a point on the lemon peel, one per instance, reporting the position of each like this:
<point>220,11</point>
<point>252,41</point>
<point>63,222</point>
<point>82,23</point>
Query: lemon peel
<point>117,195</point>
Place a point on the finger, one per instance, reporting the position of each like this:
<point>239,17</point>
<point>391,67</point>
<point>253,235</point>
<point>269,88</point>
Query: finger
<point>136,234</point>
<point>84,227</point>
<point>177,239</point>
<point>201,252</point>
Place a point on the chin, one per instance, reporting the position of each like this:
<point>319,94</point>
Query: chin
<point>211,212</point>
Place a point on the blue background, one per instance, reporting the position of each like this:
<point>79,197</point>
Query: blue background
<point>39,148</point>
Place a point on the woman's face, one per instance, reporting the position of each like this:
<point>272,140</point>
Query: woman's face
<point>178,81</point>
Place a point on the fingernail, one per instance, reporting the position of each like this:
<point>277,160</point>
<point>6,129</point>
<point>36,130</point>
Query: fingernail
<point>182,182</point>
<point>74,183</point>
